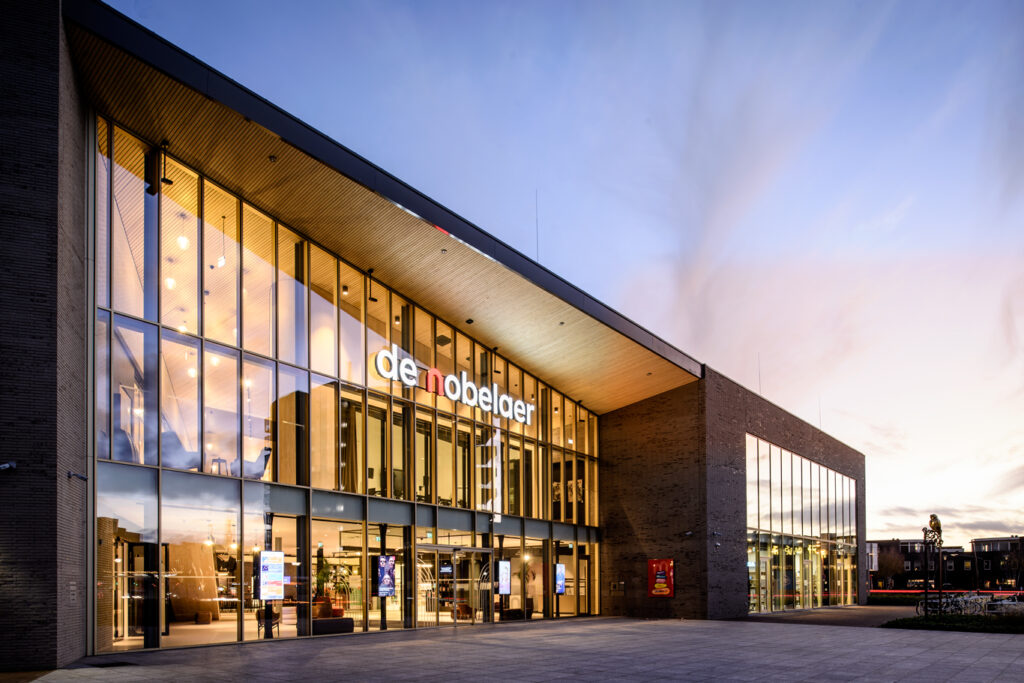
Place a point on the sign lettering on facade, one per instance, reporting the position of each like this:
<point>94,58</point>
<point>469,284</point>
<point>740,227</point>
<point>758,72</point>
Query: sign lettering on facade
<point>395,364</point>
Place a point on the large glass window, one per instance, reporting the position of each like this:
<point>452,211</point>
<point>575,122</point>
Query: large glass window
<point>276,605</point>
<point>809,561</point>
<point>350,444</point>
<point>134,378</point>
<point>220,410</point>
<point>127,558</point>
<point>259,393</point>
<point>323,311</point>
<point>228,345</point>
<point>179,402</point>
<point>220,265</point>
<point>134,230</point>
<point>202,581</point>
<point>323,433</point>
<point>351,357</point>
<point>291,300</point>
<point>258,273</point>
<point>292,462</point>
<point>179,247</point>
<point>338,576</point>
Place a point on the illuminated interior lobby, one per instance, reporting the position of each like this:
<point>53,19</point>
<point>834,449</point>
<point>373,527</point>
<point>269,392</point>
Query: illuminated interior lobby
<point>295,397</point>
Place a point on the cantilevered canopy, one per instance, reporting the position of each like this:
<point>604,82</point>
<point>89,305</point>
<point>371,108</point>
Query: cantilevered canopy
<point>316,186</point>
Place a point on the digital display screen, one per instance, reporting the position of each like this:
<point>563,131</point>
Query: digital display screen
<point>271,575</point>
<point>504,577</point>
<point>559,579</point>
<point>386,576</point>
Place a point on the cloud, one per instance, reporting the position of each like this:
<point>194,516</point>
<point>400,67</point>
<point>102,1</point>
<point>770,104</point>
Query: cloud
<point>1009,482</point>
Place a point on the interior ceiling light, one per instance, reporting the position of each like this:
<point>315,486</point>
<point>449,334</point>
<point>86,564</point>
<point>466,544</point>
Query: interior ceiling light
<point>272,159</point>
<point>469,321</point>
<point>443,340</point>
<point>398,321</point>
<point>344,290</point>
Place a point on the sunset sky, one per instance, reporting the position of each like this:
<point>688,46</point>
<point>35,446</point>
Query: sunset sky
<point>823,201</point>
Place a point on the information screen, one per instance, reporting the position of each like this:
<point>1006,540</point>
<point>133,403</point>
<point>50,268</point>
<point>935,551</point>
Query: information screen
<point>560,579</point>
<point>271,575</point>
<point>504,577</point>
<point>386,576</point>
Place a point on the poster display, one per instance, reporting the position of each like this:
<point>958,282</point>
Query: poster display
<point>504,577</point>
<point>386,576</point>
<point>661,578</point>
<point>271,575</point>
<point>559,579</point>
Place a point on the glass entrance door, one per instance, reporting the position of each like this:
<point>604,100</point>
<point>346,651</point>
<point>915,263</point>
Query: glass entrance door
<point>452,586</point>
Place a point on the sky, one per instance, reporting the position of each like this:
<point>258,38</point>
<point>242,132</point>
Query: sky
<point>823,201</point>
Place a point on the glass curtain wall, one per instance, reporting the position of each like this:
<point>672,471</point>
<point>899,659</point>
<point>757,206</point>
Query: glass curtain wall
<point>231,354</point>
<point>801,531</point>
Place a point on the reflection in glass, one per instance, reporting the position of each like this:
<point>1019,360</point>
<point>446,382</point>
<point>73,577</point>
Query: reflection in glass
<point>351,358</point>
<point>127,558</point>
<point>220,410</point>
<point>402,417</point>
<point>102,205</point>
<point>391,588</point>
<point>351,441</point>
<point>102,398</point>
<point>339,586</point>
<point>377,335</point>
<point>424,355</point>
<point>535,580</point>
<point>376,445</point>
<point>275,521</point>
<point>323,311</point>
<point>444,356</point>
<point>445,461</point>
<point>179,402</point>
<point>179,248</point>
<point>134,227</point>
<point>424,443</point>
<point>531,482</point>
<point>323,433</point>
<point>220,264</point>
<point>291,300</point>
<point>202,584</point>
<point>257,281</point>
<point>464,465</point>
<point>133,374</point>
<point>515,459</point>
<point>463,363</point>
<point>292,456</point>
<point>401,322</point>
<point>258,406</point>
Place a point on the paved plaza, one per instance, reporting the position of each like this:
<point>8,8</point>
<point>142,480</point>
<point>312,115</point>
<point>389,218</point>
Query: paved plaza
<point>588,650</point>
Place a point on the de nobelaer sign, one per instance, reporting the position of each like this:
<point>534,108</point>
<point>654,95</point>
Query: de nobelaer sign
<point>455,387</point>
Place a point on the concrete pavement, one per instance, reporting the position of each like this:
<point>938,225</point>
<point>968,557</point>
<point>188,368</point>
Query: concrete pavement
<point>588,650</point>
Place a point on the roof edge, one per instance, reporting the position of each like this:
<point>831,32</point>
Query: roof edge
<point>162,55</point>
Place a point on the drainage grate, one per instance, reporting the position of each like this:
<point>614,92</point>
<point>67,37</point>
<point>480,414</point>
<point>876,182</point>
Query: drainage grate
<point>105,665</point>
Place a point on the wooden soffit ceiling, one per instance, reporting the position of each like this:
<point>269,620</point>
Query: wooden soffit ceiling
<point>457,272</point>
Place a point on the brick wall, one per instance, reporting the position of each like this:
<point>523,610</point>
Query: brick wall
<point>732,412</point>
<point>653,503</point>
<point>674,465</point>
<point>42,411</point>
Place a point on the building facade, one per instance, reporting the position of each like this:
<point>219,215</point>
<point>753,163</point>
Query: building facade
<point>991,564</point>
<point>261,389</point>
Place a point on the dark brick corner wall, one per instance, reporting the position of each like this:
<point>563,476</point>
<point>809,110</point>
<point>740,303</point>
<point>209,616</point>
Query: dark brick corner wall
<point>42,344</point>
<point>652,504</point>
<point>732,412</point>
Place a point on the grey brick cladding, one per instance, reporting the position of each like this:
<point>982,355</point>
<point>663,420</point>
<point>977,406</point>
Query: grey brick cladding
<point>673,484</point>
<point>42,343</point>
